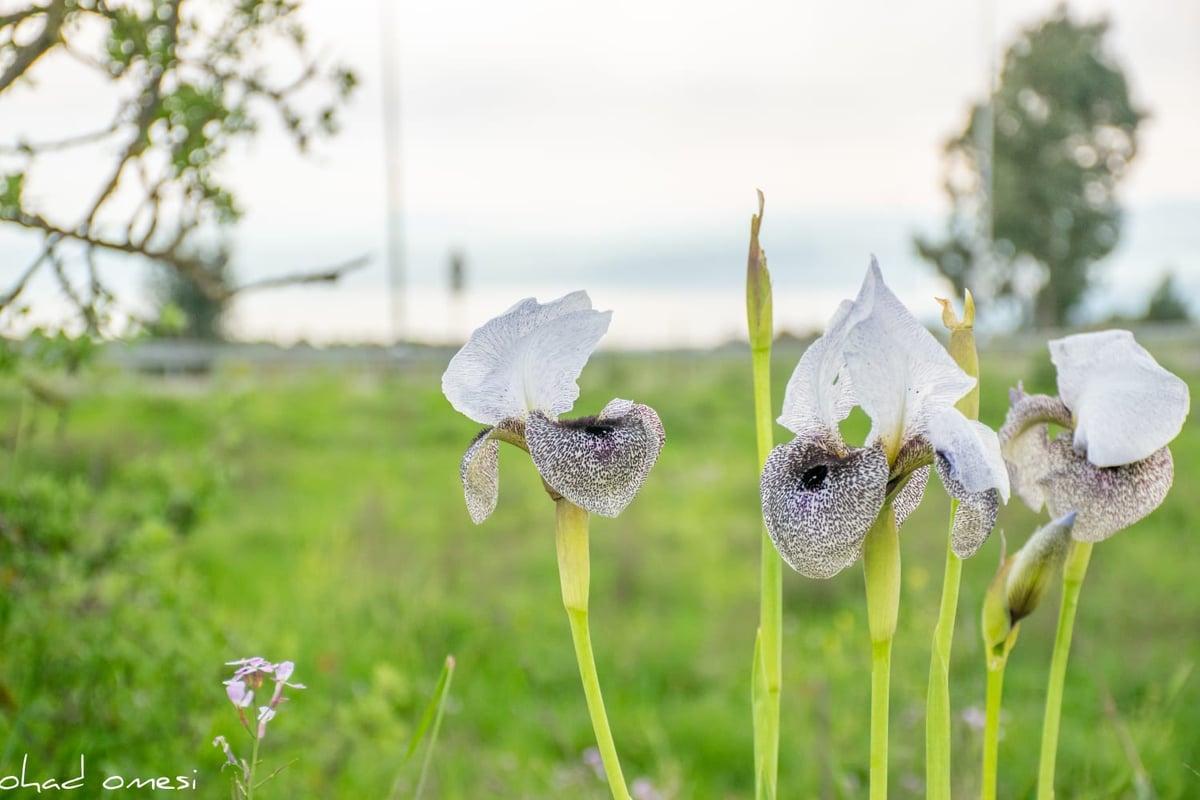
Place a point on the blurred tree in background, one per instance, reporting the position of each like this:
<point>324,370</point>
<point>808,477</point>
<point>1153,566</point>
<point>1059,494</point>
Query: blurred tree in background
<point>1061,130</point>
<point>1167,303</point>
<point>184,309</point>
<point>188,80</point>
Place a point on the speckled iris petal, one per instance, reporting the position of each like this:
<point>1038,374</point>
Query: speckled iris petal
<point>1055,473</point>
<point>480,469</point>
<point>480,473</point>
<point>819,499</point>
<point>1108,499</point>
<point>1025,442</point>
<point>908,498</point>
<point>976,513</point>
<point>598,463</point>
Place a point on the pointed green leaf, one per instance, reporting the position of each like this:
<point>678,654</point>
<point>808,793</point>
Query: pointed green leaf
<point>436,704</point>
<point>759,304</point>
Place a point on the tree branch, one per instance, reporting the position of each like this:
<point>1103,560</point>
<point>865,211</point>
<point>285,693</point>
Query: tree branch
<point>86,310</point>
<point>18,17</point>
<point>198,82</point>
<point>150,101</point>
<point>327,275</point>
<point>27,55</point>
<point>29,148</point>
<point>8,299</point>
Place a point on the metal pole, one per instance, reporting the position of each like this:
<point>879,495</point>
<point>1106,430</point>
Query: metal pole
<point>392,175</point>
<point>985,135</point>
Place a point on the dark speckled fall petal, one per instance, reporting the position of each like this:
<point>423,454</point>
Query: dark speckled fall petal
<point>598,463</point>
<point>480,470</point>
<point>1052,472</point>
<point>1025,442</point>
<point>1108,499</point>
<point>819,499</point>
<point>908,498</point>
<point>976,513</point>
<point>480,473</point>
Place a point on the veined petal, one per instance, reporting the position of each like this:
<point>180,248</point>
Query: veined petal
<point>480,473</point>
<point>1125,405</point>
<point>908,498</point>
<point>1025,442</point>
<point>528,358</point>
<point>1108,499</point>
<point>971,451</point>
<point>976,513</point>
<point>598,463</point>
<point>901,374</point>
<point>819,499</point>
<point>819,394</point>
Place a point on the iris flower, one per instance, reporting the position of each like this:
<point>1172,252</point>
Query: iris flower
<point>820,496</point>
<point>1120,409</point>
<point>516,375</point>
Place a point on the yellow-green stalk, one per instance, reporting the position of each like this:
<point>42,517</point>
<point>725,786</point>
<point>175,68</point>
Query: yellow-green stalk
<point>768,659</point>
<point>1073,575</point>
<point>1014,593</point>
<point>937,702</point>
<point>574,570</point>
<point>881,568</point>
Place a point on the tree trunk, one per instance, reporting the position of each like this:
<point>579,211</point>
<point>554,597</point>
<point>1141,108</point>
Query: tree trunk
<point>1046,311</point>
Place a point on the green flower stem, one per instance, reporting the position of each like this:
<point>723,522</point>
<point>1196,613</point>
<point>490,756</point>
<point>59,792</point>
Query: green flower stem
<point>937,703</point>
<point>997,661</point>
<point>767,669</point>
<point>1073,575</point>
<point>571,525</point>
<point>881,565</point>
<point>881,676</point>
<point>991,728</point>
<point>770,624</point>
<point>253,766</point>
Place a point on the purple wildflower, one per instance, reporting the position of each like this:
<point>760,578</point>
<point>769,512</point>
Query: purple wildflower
<point>238,694</point>
<point>265,715</point>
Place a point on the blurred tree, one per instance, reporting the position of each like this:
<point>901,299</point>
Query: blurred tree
<point>1061,131</point>
<point>188,79</point>
<point>457,272</point>
<point>1167,303</point>
<point>185,310</point>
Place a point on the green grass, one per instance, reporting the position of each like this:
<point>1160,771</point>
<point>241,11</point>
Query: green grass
<point>318,517</point>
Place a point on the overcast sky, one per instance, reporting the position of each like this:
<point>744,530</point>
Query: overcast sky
<point>618,146</point>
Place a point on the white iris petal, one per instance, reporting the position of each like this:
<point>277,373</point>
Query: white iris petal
<point>901,373</point>
<point>1125,405</point>
<point>972,451</point>
<point>526,359</point>
<point>819,394</point>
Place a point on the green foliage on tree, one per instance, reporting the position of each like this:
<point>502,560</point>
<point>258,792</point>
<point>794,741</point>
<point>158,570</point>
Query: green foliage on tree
<point>185,310</point>
<point>188,79</point>
<point>1063,131</point>
<point>1167,303</point>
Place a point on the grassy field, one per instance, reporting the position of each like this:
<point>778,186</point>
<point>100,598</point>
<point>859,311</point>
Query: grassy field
<point>318,517</point>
